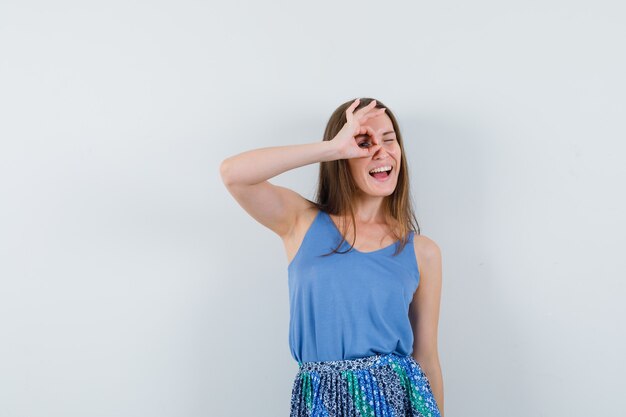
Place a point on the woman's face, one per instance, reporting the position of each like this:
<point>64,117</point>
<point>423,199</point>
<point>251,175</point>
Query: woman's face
<point>388,155</point>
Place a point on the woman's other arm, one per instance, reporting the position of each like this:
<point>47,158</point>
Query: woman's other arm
<point>424,313</point>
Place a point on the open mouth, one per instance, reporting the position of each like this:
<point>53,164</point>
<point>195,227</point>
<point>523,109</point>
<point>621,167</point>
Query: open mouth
<point>381,176</point>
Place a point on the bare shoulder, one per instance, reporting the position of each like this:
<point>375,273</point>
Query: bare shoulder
<point>427,251</point>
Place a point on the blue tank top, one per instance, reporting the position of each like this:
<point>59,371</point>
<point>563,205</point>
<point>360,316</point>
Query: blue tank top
<point>346,306</point>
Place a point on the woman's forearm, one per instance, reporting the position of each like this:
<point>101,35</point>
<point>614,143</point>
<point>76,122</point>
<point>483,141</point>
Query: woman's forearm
<point>258,165</point>
<point>433,373</point>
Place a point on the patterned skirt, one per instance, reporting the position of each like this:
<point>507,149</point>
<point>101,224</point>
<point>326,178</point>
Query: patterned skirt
<point>388,385</point>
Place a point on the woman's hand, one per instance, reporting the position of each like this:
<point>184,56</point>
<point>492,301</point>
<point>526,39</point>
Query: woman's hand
<point>346,145</point>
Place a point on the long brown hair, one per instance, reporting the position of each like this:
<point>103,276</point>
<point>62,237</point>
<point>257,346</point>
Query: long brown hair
<point>336,187</point>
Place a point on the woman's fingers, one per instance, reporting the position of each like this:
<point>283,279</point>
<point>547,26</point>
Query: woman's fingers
<point>366,130</point>
<point>350,115</point>
<point>371,114</point>
<point>372,136</point>
<point>364,113</point>
<point>350,109</point>
<point>372,143</point>
<point>355,119</point>
<point>365,109</point>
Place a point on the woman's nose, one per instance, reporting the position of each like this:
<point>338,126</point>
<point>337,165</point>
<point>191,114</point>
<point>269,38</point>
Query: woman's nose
<point>380,152</point>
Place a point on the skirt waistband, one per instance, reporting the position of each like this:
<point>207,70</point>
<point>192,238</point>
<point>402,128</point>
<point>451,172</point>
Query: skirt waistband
<point>353,364</point>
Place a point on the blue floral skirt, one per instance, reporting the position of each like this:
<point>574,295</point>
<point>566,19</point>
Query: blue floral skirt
<point>388,385</point>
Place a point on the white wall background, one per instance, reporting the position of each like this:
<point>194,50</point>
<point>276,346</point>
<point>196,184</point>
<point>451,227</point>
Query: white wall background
<point>132,284</point>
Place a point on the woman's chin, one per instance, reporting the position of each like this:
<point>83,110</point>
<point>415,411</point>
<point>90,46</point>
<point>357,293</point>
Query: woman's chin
<point>379,188</point>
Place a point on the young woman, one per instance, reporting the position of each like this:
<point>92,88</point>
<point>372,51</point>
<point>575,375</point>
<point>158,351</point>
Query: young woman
<point>363,316</point>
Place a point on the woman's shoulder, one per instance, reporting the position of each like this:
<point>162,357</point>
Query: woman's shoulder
<point>425,247</point>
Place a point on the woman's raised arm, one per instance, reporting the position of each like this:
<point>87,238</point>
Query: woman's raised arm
<point>246,175</point>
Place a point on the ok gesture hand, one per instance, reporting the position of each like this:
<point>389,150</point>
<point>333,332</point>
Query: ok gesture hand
<point>345,142</point>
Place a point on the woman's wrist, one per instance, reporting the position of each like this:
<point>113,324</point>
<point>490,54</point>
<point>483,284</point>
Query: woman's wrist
<point>330,152</point>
